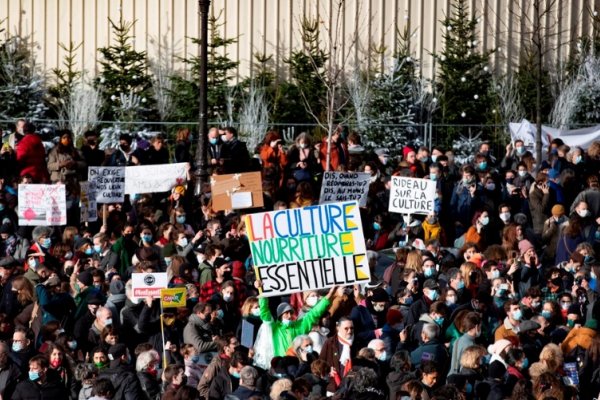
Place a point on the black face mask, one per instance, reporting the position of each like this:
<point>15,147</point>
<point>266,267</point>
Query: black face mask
<point>125,148</point>
<point>128,236</point>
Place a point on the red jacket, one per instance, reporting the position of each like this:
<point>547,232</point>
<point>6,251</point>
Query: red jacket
<point>31,157</point>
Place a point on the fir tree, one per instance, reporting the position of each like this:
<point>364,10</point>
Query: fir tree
<point>124,82</point>
<point>219,74</point>
<point>59,93</point>
<point>463,81</point>
<point>21,84</point>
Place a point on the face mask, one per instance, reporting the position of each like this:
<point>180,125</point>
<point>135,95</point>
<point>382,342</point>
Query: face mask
<point>236,375</point>
<point>220,314</point>
<point>224,138</point>
<point>2,207</point>
<point>89,251</point>
<point>147,238</point>
<point>100,365</point>
<point>307,349</point>
<point>72,345</point>
<point>108,322</point>
<point>382,356</point>
<point>125,147</point>
<point>450,301</point>
<point>183,242</point>
<point>68,255</point>
<point>136,300</point>
<point>227,298</point>
<point>98,248</point>
<point>384,160</point>
<point>570,323</point>
<point>46,243</point>
<point>180,219</point>
<point>302,145</point>
<point>376,226</point>
<point>505,216</point>
<point>485,221</point>
<point>55,363</point>
<point>32,263</point>
<point>546,314</point>
<point>490,186</point>
<point>522,173</point>
<point>525,364</point>
<point>460,285</point>
<point>433,176</point>
<point>128,236</point>
<point>213,140</point>
<point>408,301</point>
<point>433,295</point>
<point>521,150</point>
<point>583,213</point>
<point>256,312</point>
<point>466,181</point>
<point>482,165</point>
<point>34,376</point>
<point>424,159</point>
<point>517,315</point>
<point>428,272</point>
<point>378,308</point>
<point>510,180</point>
<point>311,301</point>
<point>495,274</point>
<point>17,346</point>
<point>535,304</point>
<point>565,306</point>
<point>286,322</point>
<point>439,321</point>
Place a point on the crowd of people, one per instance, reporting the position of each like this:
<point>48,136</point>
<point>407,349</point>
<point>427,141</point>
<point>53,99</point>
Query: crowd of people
<point>491,296</point>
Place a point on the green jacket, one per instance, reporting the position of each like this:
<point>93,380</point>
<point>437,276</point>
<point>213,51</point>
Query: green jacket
<point>124,256</point>
<point>206,273</point>
<point>284,334</point>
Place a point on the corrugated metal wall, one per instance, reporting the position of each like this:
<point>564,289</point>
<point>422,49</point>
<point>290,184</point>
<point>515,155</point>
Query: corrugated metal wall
<point>271,26</point>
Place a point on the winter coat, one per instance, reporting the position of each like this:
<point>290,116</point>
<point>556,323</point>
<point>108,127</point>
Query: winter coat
<point>331,352</point>
<point>127,386</point>
<point>9,376</point>
<point>150,385</point>
<point>125,251</point>
<point>550,234</point>
<point>28,390</point>
<point>463,205</point>
<point>364,324</point>
<point>216,365</point>
<point>459,347</point>
<point>338,154</point>
<point>244,393</point>
<point>284,334</point>
<point>235,157</point>
<point>31,157</point>
<point>61,174</point>
<point>197,332</point>
<point>566,245</point>
<point>431,351</point>
<point>578,337</point>
<point>540,206</point>
<point>206,273</point>
<point>222,385</point>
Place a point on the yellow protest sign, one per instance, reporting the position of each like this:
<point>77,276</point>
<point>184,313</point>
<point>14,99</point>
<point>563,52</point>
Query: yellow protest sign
<point>174,297</point>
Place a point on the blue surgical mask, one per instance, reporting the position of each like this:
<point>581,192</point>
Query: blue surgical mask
<point>220,314</point>
<point>308,349</point>
<point>183,242</point>
<point>17,346</point>
<point>485,221</point>
<point>434,158</point>
<point>235,375</point>
<point>408,301</point>
<point>376,226</point>
<point>495,274</point>
<point>522,173</point>
<point>98,248</point>
<point>434,295</point>
<point>482,165</point>
<point>525,364</point>
<point>72,344</point>
<point>433,176</point>
<point>34,376</point>
<point>89,251</point>
<point>428,272</point>
<point>461,285</point>
<point>46,243</point>
<point>439,321</point>
<point>578,159</point>
<point>195,358</point>
<point>32,263</point>
<point>382,356</point>
<point>521,150</point>
<point>213,140</point>
<point>147,238</point>
<point>180,219</point>
<point>286,322</point>
<point>517,315</point>
<point>546,314</point>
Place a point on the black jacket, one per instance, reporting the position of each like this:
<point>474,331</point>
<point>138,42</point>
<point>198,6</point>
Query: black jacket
<point>235,156</point>
<point>127,386</point>
<point>222,385</point>
<point>150,385</point>
<point>28,390</point>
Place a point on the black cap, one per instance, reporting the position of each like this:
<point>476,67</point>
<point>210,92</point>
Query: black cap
<point>7,228</point>
<point>115,352</point>
<point>79,243</point>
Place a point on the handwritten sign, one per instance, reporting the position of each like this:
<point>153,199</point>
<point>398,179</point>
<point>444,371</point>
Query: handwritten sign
<point>148,284</point>
<point>174,297</point>
<point>411,195</point>
<point>154,178</point>
<point>309,248</point>
<point>42,205</point>
<point>345,186</point>
<point>87,202</point>
<point>110,183</point>
<point>236,191</point>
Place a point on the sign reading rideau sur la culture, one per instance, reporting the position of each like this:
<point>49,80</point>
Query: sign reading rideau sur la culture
<point>308,248</point>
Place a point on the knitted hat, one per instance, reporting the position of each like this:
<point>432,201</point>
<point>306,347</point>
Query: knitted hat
<point>406,151</point>
<point>499,346</point>
<point>393,317</point>
<point>379,295</point>
<point>86,278</point>
<point>524,246</point>
<point>558,210</point>
<point>282,308</point>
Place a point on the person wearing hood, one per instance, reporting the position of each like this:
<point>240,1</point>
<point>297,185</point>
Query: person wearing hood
<point>550,233</point>
<point>121,374</point>
<point>116,301</point>
<point>12,244</point>
<point>125,248</point>
<point>369,316</point>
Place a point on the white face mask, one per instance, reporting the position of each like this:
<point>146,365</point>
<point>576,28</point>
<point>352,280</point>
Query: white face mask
<point>256,312</point>
<point>583,213</point>
<point>311,301</point>
<point>505,216</point>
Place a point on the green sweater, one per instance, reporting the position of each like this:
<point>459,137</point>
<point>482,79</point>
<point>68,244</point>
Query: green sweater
<point>284,334</point>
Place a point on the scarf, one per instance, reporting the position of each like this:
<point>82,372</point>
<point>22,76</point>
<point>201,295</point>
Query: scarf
<point>345,357</point>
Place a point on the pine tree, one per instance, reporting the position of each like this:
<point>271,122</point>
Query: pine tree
<point>59,93</point>
<point>21,85</point>
<point>124,81</point>
<point>463,81</point>
<point>219,74</point>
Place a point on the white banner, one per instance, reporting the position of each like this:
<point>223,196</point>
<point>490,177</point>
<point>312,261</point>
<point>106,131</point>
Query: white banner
<point>345,186</point>
<point>526,131</point>
<point>411,195</point>
<point>42,205</point>
<point>154,178</point>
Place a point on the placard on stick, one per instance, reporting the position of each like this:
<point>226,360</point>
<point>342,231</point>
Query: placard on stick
<point>110,183</point>
<point>87,202</point>
<point>345,186</point>
<point>148,284</point>
<point>412,195</point>
<point>308,248</point>
<point>236,191</point>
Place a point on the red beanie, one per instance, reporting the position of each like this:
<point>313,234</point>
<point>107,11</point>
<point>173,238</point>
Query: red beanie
<point>405,151</point>
<point>393,317</point>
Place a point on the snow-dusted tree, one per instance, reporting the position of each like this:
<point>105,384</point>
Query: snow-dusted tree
<point>579,101</point>
<point>21,84</point>
<point>510,107</point>
<point>465,148</point>
<point>162,68</point>
<point>254,116</point>
<point>360,94</point>
<point>83,108</point>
